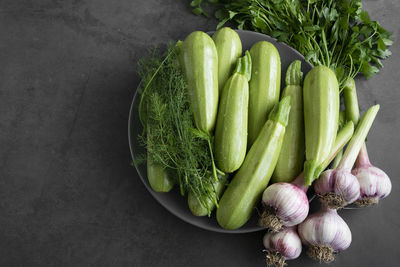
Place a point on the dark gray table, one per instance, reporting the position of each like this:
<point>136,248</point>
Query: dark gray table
<point>68,196</point>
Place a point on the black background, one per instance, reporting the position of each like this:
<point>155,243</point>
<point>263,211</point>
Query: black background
<point>68,195</point>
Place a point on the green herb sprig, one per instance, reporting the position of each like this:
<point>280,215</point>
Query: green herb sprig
<point>334,33</point>
<point>170,136</point>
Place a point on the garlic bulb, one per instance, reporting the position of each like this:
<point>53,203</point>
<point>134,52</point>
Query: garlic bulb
<point>337,188</point>
<point>286,204</point>
<point>281,246</point>
<point>325,233</point>
<point>374,183</point>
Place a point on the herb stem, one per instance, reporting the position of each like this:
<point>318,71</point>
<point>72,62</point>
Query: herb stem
<point>326,48</point>
<point>326,32</point>
<point>214,168</point>
<point>147,86</point>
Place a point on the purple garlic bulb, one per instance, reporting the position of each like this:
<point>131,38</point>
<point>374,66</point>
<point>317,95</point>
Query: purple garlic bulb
<point>281,246</point>
<point>325,233</point>
<point>374,183</point>
<point>337,188</point>
<point>285,204</point>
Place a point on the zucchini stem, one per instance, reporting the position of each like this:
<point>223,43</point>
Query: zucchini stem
<point>310,170</point>
<point>243,65</point>
<point>294,76</point>
<point>341,140</point>
<point>280,112</point>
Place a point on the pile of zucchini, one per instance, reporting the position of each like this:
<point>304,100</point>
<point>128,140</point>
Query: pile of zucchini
<point>257,131</point>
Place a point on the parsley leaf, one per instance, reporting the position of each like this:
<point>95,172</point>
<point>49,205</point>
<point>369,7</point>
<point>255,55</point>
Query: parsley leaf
<point>336,33</point>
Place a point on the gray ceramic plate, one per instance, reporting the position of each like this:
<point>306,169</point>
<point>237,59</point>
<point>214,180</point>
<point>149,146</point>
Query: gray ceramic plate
<point>173,201</point>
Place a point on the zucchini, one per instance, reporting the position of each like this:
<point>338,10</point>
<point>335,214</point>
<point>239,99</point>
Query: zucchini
<point>291,158</point>
<point>203,207</point>
<point>158,177</point>
<point>244,191</point>
<point>321,116</point>
<point>229,49</point>
<point>199,62</point>
<point>264,86</point>
<point>231,130</point>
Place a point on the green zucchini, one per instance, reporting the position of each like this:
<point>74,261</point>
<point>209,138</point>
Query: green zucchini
<point>229,49</point>
<point>321,116</point>
<point>291,159</point>
<point>244,191</point>
<point>199,62</point>
<point>203,207</point>
<point>264,86</point>
<point>158,177</point>
<point>231,130</point>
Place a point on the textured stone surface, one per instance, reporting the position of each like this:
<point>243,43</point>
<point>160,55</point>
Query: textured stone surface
<point>68,196</point>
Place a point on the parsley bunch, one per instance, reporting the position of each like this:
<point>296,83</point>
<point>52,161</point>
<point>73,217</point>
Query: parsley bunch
<point>334,33</point>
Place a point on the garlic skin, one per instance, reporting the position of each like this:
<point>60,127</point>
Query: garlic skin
<point>337,188</point>
<point>281,246</point>
<point>286,242</point>
<point>286,205</point>
<point>374,185</point>
<point>324,232</point>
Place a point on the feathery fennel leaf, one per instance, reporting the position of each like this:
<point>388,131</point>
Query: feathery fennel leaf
<point>170,135</point>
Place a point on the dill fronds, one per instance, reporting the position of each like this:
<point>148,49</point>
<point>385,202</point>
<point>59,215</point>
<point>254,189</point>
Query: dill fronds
<point>170,135</point>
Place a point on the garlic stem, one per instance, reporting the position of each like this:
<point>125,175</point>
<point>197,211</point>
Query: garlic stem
<point>299,182</point>
<point>342,138</point>
<point>374,183</point>
<point>351,101</point>
<point>353,114</point>
<point>286,204</point>
<point>363,159</point>
<point>342,122</point>
<point>337,160</point>
<point>351,153</point>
